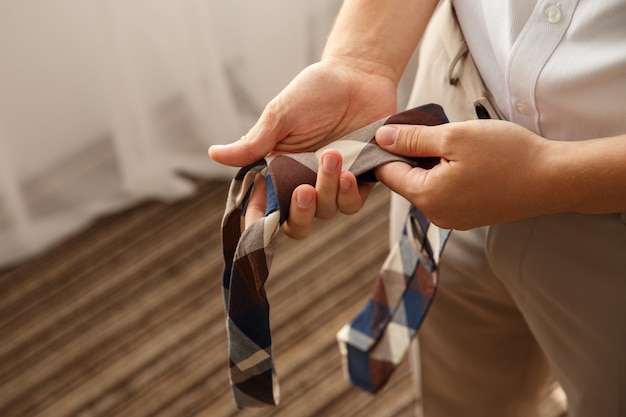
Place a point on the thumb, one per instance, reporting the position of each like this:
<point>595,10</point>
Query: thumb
<point>401,178</point>
<point>251,147</point>
<point>410,140</point>
<point>240,153</point>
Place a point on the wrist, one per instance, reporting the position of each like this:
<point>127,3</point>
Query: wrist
<point>379,37</point>
<point>363,64</point>
<point>588,176</point>
<point>559,193</point>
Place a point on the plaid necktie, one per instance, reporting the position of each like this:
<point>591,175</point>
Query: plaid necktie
<point>402,294</point>
<point>376,340</point>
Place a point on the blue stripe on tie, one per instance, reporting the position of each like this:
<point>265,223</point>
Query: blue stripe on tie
<point>415,305</point>
<point>363,321</point>
<point>358,368</point>
<point>272,200</point>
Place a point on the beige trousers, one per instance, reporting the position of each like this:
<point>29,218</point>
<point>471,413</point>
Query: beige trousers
<point>519,306</point>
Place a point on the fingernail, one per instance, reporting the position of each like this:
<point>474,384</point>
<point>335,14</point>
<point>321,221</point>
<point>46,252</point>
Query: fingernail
<point>386,135</point>
<point>330,162</point>
<point>304,200</point>
<point>344,184</point>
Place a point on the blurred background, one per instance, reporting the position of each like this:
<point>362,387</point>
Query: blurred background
<point>102,102</point>
<point>110,209</point>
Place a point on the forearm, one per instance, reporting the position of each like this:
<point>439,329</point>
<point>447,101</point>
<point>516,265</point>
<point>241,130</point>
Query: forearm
<point>379,35</point>
<point>590,176</point>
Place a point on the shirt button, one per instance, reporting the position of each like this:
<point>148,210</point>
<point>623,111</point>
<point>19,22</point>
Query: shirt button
<point>523,108</point>
<point>553,14</point>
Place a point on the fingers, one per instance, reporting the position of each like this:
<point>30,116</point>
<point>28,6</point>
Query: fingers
<point>301,212</point>
<point>327,184</point>
<point>256,204</point>
<point>352,196</point>
<point>334,191</point>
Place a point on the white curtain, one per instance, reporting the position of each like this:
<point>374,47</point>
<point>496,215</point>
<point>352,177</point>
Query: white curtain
<point>105,102</point>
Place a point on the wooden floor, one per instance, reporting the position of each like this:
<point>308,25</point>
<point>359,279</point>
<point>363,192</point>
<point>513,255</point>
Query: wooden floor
<point>126,318</point>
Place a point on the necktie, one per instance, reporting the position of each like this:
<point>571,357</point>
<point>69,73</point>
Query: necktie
<point>373,341</point>
<point>376,340</point>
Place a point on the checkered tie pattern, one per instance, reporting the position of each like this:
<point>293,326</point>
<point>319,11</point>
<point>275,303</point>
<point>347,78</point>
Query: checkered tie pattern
<point>376,340</point>
<point>402,294</point>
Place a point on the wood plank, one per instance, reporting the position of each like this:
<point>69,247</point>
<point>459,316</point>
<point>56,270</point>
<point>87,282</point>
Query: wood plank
<point>126,318</point>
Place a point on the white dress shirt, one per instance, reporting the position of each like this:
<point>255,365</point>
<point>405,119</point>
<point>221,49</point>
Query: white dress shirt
<point>557,67</point>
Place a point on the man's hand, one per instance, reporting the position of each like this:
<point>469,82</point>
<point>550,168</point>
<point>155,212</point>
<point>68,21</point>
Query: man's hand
<point>352,86</point>
<point>490,172</point>
<point>334,191</point>
<point>324,102</point>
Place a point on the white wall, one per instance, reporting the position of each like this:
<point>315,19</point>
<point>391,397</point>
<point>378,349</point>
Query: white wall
<point>49,81</point>
<point>51,63</point>
<point>268,42</point>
